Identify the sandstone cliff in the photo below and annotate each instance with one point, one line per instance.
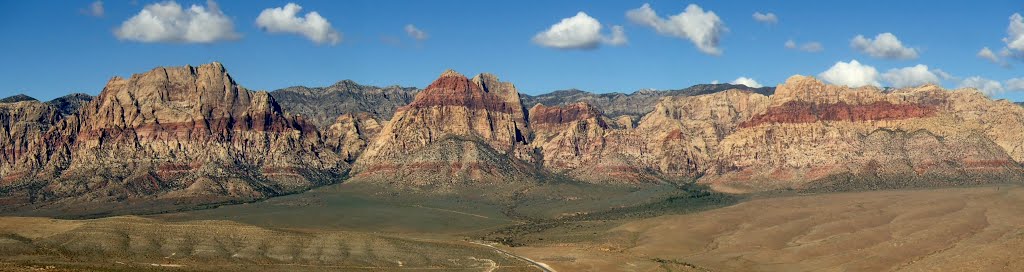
(634, 105)
(192, 136)
(456, 130)
(184, 134)
(819, 135)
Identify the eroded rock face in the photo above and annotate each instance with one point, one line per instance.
(23, 125)
(456, 130)
(192, 135)
(188, 133)
(834, 138)
(634, 105)
(321, 106)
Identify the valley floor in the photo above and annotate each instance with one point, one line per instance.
(953, 229)
(332, 229)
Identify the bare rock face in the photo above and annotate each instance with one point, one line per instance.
(634, 105)
(70, 104)
(191, 136)
(322, 105)
(819, 136)
(351, 133)
(185, 133)
(23, 124)
(456, 130)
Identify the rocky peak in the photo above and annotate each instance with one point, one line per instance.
(70, 104)
(807, 89)
(17, 98)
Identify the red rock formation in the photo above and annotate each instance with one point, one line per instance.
(805, 112)
(543, 115)
(455, 130)
(186, 133)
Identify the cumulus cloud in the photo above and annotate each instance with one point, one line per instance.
(853, 74)
(810, 47)
(286, 20)
(987, 86)
(766, 18)
(987, 54)
(618, 36)
(578, 32)
(1015, 37)
(703, 28)
(415, 32)
(913, 76)
(95, 9)
(884, 45)
(749, 82)
(168, 22)
(1015, 84)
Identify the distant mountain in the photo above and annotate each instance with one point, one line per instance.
(17, 98)
(322, 105)
(635, 104)
(69, 104)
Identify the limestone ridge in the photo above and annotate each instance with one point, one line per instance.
(322, 105)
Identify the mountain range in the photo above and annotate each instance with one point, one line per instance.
(186, 137)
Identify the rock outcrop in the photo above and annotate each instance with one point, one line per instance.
(192, 136)
(189, 135)
(70, 104)
(456, 130)
(829, 137)
(636, 104)
(322, 105)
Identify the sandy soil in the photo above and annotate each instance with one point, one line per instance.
(955, 229)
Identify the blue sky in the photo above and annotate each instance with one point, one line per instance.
(54, 48)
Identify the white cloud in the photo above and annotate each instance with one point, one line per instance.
(285, 20)
(913, 76)
(415, 32)
(851, 74)
(885, 46)
(618, 36)
(95, 9)
(1015, 37)
(749, 82)
(987, 86)
(702, 28)
(810, 47)
(714, 81)
(168, 22)
(1015, 84)
(943, 74)
(766, 18)
(578, 32)
(987, 54)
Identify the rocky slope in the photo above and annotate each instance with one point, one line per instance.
(69, 104)
(457, 130)
(192, 136)
(634, 105)
(322, 105)
(188, 135)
